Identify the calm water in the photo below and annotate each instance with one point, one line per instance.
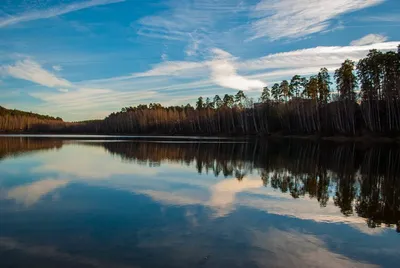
(118, 203)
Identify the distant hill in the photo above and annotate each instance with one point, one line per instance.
(14, 112)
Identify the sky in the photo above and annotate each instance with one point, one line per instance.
(83, 59)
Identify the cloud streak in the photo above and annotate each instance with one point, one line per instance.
(369, 40)
(32, 71)
(277, 19)
(53, 12)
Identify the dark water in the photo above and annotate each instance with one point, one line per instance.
(99, 203)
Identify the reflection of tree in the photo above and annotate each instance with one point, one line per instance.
(322, 193)
(19, 145)
(345, 194)
(379, 198)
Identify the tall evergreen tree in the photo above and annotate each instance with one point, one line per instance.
(265, 95)
(285, 89)
(228, 100)
(275, 91)
(295, 85)
(240, 99)
(346, 80)
(218, 102)
(311, 88)
(324, 82)
(200, 103)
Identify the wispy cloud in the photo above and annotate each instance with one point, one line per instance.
(382, 18)
(52, 11)
(186, 16)
(57, 68)
(95, 103)
(278, 19)
(369, 40)
(32, 71)
(191, 21)
(173, 68)
(314, 57)
(193, 46)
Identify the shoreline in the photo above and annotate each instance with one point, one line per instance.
(339, 139)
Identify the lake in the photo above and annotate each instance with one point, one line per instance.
(96, 201)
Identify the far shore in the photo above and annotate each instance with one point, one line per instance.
(273, 136)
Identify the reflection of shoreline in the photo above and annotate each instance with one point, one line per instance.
(356, 181)
(10, 146)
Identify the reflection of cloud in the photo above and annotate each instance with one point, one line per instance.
(85, 163)
(47, 252)
(223, 193)
(170, 198)
(363, 227)
(291, 249)
(224, 198)
(31, 193)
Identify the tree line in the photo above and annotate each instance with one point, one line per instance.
(12, 120)
(366, 101)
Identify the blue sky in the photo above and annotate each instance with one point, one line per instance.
(82, 59)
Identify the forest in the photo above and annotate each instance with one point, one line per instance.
(366, 101)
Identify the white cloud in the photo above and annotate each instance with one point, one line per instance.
(32, 71)
(224, 73)
(313, 57)
(64, 90)
(278, 19)
(369, 40)
(53, 11)
(57, 68)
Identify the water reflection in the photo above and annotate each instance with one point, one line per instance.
(360, 180)
(148, 203)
